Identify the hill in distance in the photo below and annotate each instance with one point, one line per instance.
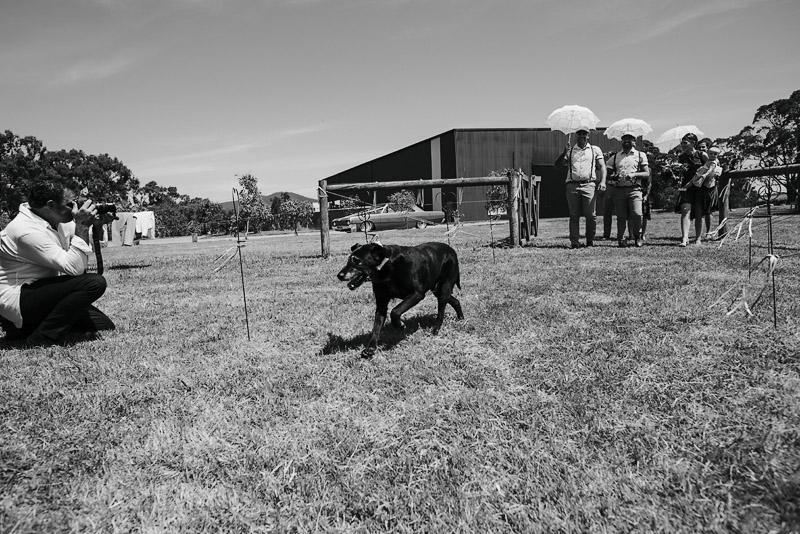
(268, 199)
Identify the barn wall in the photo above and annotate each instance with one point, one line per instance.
(410, 163)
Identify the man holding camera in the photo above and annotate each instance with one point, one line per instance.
(45, 291)
(630, 176)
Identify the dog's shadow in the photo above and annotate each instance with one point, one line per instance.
(389, 338)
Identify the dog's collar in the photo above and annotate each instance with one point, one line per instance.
(379, 267)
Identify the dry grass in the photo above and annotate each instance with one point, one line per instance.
(587, 391)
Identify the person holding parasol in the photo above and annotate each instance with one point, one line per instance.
(586, 170)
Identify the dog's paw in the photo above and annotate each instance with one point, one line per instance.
(368, 353)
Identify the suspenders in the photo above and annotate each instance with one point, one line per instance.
(591, 168)
(638, 167)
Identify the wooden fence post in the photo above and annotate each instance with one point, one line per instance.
(537, 181)
(724, 204)
(513, 207)
(324, 224)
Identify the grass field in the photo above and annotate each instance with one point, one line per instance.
(587, 391)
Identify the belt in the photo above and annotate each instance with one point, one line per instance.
(581, 182)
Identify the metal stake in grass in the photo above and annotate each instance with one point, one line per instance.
(364, 217)
(491, 235)
(772, 253)
(239, 245)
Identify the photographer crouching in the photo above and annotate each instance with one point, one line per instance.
(45, 292)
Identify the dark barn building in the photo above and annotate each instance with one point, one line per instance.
(466, 153)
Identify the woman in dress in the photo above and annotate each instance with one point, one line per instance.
(705, 198)
(690, 160)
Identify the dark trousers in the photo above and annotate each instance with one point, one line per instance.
(581, 203)
(52, 307)
(628, 205)
(608, 210)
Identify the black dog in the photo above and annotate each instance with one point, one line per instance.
(405, 273)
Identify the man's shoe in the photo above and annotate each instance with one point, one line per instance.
(639, 242)
(683, 243)
(622, 243)
(589, 243)
(575, 245)
(38, 340)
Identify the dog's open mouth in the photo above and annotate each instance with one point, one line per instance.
(357, 280)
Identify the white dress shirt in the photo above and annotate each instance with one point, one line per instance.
(583, 162)
(30, 249)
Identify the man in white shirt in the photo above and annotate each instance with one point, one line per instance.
(45, 292)
(586, 173)
(629, 171)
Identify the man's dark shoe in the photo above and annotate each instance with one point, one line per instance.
(13, 335)
(575, 245)
(589, 243)
(622, 243)
(12, 332)
(38, 340)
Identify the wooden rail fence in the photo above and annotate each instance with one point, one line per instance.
(523, 197)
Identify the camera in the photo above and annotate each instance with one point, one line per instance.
(105, 207)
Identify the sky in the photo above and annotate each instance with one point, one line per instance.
(192, 93)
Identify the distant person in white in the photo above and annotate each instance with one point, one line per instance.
(45, 292)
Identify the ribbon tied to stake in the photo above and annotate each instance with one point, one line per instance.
(741, 298)
(231, 253)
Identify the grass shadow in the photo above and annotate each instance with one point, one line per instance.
(389, 337)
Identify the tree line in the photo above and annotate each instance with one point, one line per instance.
(104, 178)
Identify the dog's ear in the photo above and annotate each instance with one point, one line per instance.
(354, 247)
(381, 252)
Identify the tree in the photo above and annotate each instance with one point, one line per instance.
(293, 214)
(151, 194)
(497, 195)
(171, 221)
(402, 201)
(205, 216)
(275, 206)
(105, 179)
(24, 159)
(251, 202)
(773, 139)
(664, 189)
